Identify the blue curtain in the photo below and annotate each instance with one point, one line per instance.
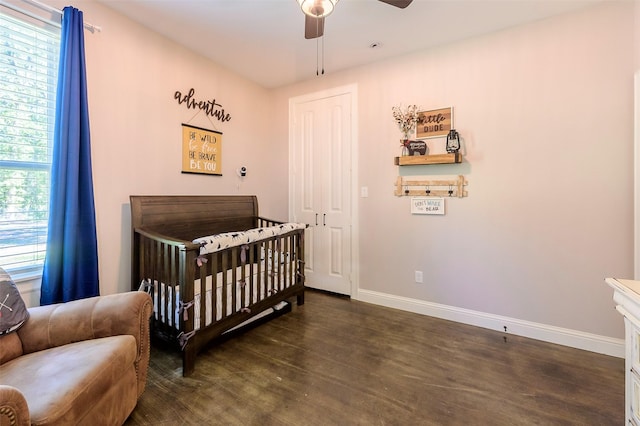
(71, 260)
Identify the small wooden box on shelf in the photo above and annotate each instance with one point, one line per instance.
(414, 160)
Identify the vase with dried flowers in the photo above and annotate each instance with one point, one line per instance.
(406, 120)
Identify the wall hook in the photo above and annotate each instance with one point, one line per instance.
(423, 186)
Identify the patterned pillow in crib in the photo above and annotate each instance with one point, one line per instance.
(13, 312)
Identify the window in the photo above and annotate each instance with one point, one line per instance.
(29, 54)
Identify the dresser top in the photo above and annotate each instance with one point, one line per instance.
(625, 285)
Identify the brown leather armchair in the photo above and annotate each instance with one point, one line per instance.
(80, 362)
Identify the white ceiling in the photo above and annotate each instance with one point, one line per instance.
(263, 40)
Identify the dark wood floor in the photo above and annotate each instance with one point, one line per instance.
(335, 361)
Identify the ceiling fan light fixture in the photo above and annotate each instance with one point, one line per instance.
(317, 8)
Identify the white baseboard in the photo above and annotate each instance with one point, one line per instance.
(547, 333)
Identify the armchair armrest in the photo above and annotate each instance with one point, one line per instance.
(13, 407)
(95, 317)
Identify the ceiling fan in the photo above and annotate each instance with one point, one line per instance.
(316, 10)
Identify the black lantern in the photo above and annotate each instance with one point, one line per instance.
(453, 141)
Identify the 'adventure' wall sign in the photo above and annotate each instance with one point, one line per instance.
(210, 107)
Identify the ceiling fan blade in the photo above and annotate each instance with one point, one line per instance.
(313, 27)
(398, 3)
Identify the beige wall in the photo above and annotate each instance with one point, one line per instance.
(546, 113)
(133, 74)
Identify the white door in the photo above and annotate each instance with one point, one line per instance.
(321, 188)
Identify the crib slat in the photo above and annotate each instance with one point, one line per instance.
(155, 247)
(291, 260)
(164, 285)
(163, 270)
(215, 263)
(170, 285)
(287, 267)
(201, 299)
(187, 273)
(224, 267)
(271, 268)
(262, 247)
(242, 279)
(251, 279)
(279, 261)
(234, 279)
(275, 266)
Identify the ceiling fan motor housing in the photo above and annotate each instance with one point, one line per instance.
(317, 8)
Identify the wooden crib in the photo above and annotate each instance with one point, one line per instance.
(199, 294)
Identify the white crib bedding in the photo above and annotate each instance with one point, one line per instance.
(257, 287)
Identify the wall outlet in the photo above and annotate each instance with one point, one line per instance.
(418, 275)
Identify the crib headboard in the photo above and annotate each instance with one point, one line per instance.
(187, 216)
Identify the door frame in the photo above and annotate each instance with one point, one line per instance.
(352, 90)
(636, 176)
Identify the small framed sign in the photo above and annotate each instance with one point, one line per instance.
(201, 151)
(427, 205)
(434, 123)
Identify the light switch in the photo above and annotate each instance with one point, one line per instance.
(364, 192)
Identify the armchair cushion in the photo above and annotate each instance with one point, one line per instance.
(76, 373)
(92, 318)
(10, 347)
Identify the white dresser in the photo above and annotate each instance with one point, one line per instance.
(627, 298)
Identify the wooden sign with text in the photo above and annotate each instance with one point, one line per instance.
(201, 151)
(210, 107)
(434, 123)
(427, 205)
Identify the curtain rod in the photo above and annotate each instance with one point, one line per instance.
(52, 9)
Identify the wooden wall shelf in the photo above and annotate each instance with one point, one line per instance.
(421, 187)
(414, 160)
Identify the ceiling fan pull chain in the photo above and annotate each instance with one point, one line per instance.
(317, 48)
(322, 55)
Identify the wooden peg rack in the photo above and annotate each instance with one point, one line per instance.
(417, 187)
